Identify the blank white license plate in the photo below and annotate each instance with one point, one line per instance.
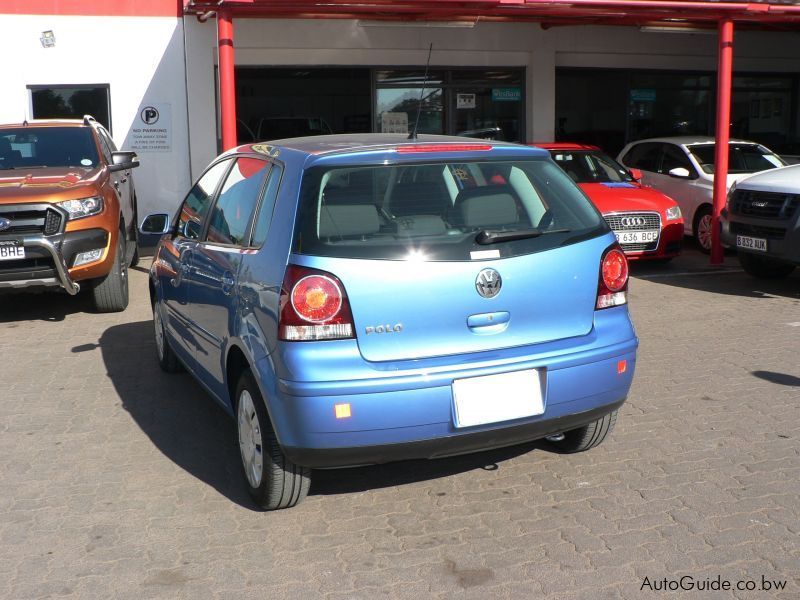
(751, 243)
(636, 237)
(13, 251)
(496, 398)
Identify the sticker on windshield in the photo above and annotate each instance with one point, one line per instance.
(86, 162)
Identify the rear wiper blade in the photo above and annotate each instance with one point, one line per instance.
(488, 236)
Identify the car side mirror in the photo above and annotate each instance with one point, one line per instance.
(680, 173)
(157, 223)
(123, 160)
(636, 174)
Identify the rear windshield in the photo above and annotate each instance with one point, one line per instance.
(742, 158)
(47, 147)
(590, 167)
(441, 211)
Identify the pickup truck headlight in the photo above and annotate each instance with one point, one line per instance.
(673, 212)
(84, 207)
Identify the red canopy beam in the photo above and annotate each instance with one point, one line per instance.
(227, 83)
(721, 151)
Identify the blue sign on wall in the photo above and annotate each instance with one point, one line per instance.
(643, 95)
(506, 94)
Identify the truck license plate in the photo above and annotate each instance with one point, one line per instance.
(751, 243)
(11, 250)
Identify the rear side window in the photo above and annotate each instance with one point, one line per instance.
(231, 215)
(646, 157)
(198, 202)
(439, 211)
(675, 158)
(264, 218)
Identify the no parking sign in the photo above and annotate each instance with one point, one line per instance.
(152, 130)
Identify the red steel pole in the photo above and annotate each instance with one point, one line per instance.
(724, 81)
(227, 81)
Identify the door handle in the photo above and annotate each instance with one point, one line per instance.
(227, 283)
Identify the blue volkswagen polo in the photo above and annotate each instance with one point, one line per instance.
(360, 299)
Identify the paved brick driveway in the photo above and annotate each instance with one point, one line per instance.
(119, 481)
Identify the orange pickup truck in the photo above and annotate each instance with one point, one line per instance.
(67, 210)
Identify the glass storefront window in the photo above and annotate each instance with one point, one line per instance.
(480, 103)
(397, 110)
(610, 107)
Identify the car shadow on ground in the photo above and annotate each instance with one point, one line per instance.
(692, 270)
(190, 429)
(43, 306)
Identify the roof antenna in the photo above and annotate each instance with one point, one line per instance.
(413, 134)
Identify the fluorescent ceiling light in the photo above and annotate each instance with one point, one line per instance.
(422, 24)
(676, 29)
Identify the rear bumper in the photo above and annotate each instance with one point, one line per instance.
(407, 411)
(451, 445)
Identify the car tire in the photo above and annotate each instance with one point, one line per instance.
(764, 268)
(702, 228)
(167, 359)
(111, 292)
(133, 244)
(273, 481)
(586, 437)
(133, 252)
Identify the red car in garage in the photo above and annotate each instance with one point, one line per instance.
(648, 224)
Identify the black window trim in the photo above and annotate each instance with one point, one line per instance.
(257, 212)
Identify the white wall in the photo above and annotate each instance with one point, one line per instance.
(142, 61)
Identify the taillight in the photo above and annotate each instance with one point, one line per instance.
(612, 289)
(313, 306)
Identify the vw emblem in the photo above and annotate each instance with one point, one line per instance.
(4, 224)
(488, 283)
(633, 221)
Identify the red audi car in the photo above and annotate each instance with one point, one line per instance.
(648, 224)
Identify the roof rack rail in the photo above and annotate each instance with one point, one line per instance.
(89, 119)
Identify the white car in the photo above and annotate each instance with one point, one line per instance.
(683, 169)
